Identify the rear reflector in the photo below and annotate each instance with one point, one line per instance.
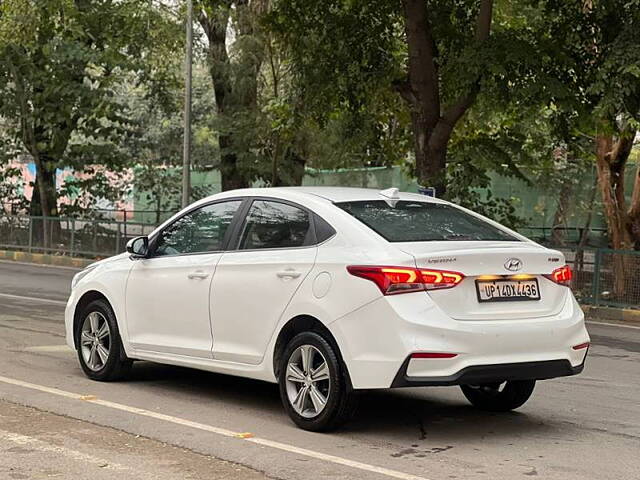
(561, 276)
(394, 280)
(433, 355)
(581, 346)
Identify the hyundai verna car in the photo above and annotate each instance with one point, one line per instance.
(328, 291)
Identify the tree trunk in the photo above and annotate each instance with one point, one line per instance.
(611, 159)
(44, 204)
(558, 229)
(431, 124)
(233, 95)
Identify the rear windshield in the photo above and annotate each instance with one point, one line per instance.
(422, 222)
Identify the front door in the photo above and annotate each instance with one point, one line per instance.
(167, 295)
(254, 283)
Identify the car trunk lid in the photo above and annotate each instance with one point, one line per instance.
(490, 261)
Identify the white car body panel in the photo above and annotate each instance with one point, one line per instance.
(167, 304)
(250, 291)
(230, 321)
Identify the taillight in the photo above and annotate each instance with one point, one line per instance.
(393, 280)
(561, 276)
(435, 279)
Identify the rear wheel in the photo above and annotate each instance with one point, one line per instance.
(313, 385)
(499, 397)
(99, 345)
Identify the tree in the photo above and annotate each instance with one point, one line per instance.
(440, 57)
(235, 79)
(601, 61)
(61, 62)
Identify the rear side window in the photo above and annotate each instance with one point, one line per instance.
(275, 225)
(422, 222)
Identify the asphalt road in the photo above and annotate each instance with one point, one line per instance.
(583, 427)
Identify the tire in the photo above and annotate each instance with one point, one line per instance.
(491, 397)
(101, 354)
(308, 412)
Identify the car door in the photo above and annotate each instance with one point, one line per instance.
(275, 250)
(167, 295)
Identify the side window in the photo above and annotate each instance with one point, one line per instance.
(275, 225)
(202, 230)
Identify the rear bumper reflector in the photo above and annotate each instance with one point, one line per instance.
(581, 346)
(433, 355)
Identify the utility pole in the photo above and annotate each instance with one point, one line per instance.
(186, 156)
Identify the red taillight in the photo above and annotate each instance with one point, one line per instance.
(434, 279)
(561, 276)
(393, 280)
(433, 355)
(581, 346)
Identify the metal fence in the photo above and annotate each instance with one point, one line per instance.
(68, 236)
(606, 277)
(147, 217)
(601, 276)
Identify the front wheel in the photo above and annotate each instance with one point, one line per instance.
(313, 385)
(499, 397)
(99, 345)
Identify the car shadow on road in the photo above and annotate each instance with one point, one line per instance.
(403, 414)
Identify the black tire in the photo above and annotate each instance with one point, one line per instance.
(492, 398)
(117, 365)
(341, 400)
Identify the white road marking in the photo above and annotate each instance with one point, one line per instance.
(42, 446)
(634, 327)
(33, 299)
(219, 431)
(49, 348)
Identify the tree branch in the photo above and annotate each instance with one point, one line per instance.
(483, 28)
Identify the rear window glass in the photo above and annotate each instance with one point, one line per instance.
(422, 222)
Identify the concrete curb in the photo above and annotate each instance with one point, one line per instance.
(45, 259)
(615, 315)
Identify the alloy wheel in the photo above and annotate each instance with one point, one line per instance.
(95, 341)
(308, 382)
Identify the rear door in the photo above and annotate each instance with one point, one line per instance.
(275, 251)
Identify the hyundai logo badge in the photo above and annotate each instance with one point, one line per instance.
(513, 264)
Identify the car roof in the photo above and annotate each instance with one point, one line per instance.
(332, 194)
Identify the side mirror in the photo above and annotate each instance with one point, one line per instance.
(138, 247)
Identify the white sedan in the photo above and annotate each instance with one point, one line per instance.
(328, 291)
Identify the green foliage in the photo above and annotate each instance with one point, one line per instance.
(61, 65)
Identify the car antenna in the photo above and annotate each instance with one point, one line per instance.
(391, 196)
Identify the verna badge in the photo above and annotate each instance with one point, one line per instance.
(513, 264)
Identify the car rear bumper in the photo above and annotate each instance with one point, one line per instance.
(478, 374)
(377, 340)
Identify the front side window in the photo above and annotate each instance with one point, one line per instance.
(409, 221)
(199, 231)
(275, 225)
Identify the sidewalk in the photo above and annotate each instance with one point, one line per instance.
(36, 444)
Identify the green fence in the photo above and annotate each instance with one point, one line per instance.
(68, 236)
(606, 277)
(601, 276)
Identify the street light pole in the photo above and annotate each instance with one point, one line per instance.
(186, 156)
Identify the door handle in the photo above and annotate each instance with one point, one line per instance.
(198, 274)
(288, 274)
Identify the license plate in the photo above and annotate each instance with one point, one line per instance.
(507, 290)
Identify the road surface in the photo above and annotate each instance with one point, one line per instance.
(583, 427)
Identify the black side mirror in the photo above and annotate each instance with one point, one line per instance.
(138, 247)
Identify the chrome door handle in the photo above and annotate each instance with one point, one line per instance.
(197, 275)
(288, 274)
